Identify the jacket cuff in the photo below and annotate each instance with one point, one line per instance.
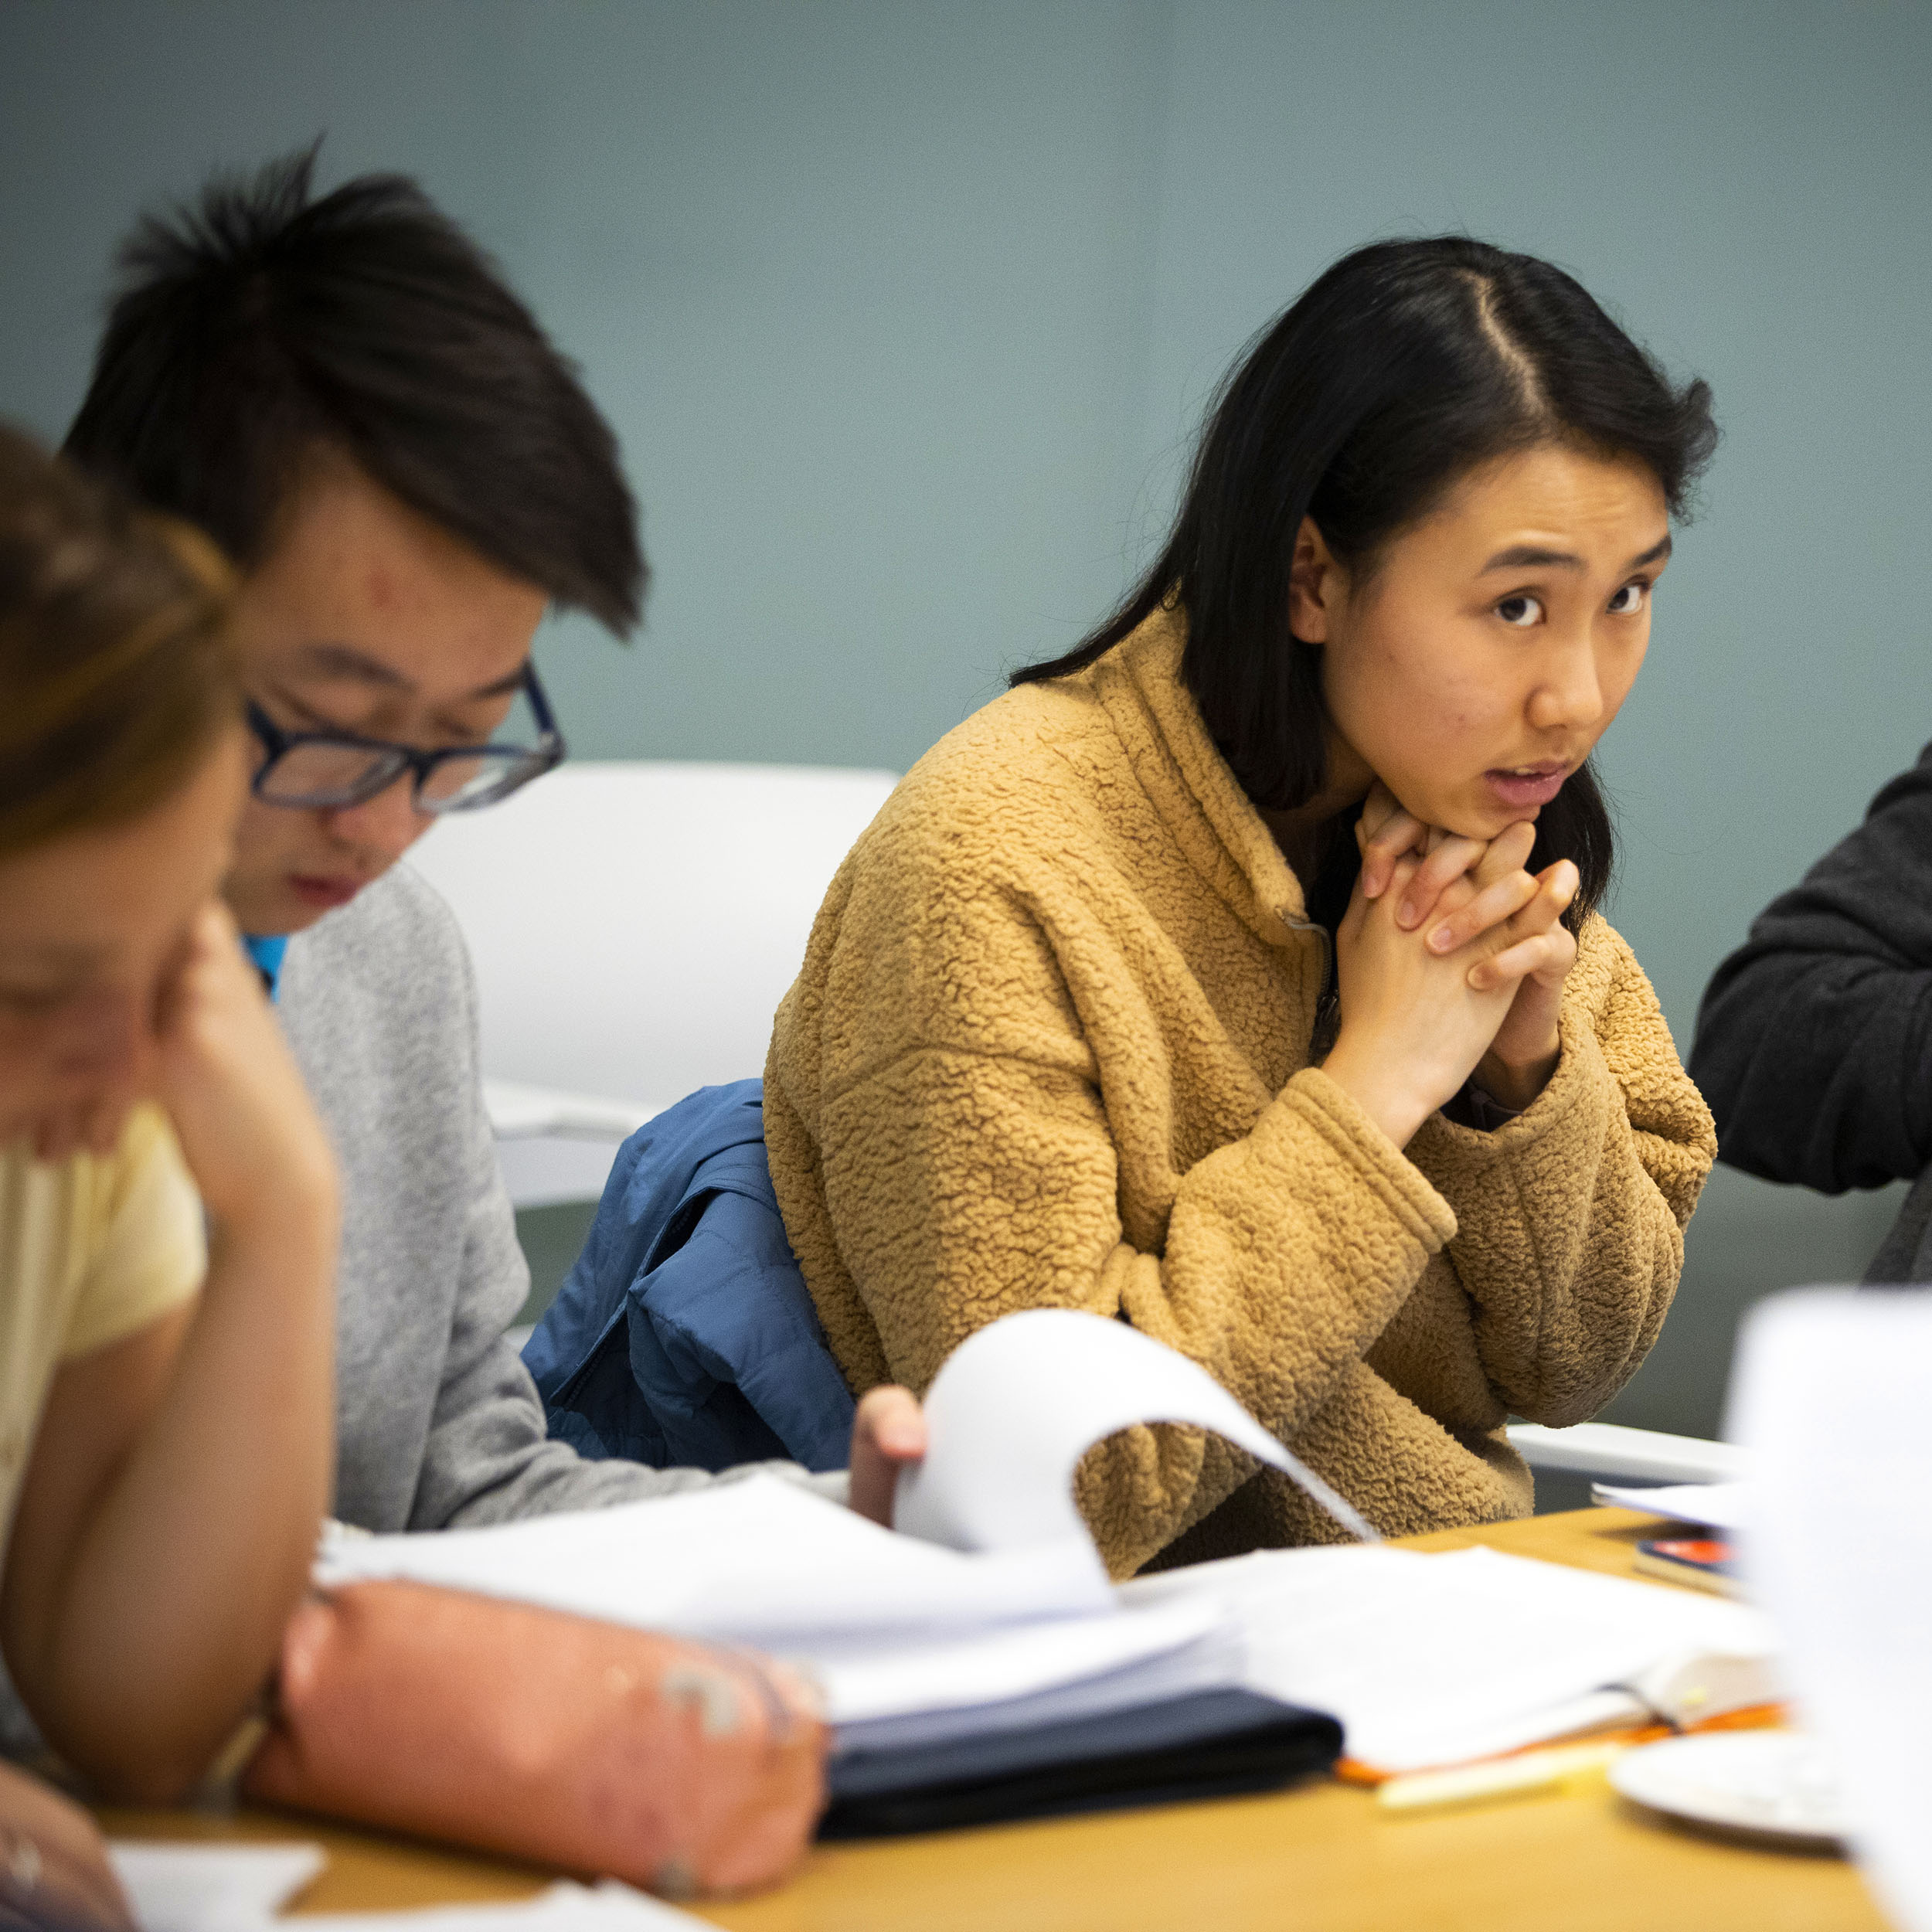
(1565, 1100)
(1346, 1126)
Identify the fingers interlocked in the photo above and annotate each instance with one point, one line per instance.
(1470, 890)
(1535, 942)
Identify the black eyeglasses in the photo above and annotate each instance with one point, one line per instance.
(332, 770)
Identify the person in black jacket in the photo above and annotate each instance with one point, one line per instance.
(1814, 1044)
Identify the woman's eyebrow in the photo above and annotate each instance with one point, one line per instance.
(1530, 557)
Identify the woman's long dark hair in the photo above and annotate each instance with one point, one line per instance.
(1407, 364)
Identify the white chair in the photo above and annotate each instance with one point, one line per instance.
(633, 926)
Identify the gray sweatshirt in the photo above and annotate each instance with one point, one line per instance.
(438, 1422)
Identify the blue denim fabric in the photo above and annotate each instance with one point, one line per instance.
(685, 1336)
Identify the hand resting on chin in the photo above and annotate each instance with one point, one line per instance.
(1451, 960)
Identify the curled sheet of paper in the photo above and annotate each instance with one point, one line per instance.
(1019, 1403)
(757, 1561)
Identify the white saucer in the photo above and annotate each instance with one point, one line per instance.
(1775, 1784)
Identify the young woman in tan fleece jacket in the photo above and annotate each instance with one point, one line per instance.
(1237, 975)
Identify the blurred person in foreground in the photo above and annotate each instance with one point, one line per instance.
(167, 1198)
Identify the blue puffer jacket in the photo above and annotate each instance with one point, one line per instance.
(683, 1337)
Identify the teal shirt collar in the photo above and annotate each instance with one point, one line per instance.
(267, 955)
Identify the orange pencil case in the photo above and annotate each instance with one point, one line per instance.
(672, 1765)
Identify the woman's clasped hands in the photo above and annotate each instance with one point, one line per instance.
(1450, 962)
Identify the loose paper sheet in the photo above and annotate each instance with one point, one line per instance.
(1831, 1400)
(1721, 1505)
(608, 1907)
(759, 1561)
(211, 1888)
(1019, 1403)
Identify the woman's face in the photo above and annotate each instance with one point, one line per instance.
(1476, 667)
(91, 926)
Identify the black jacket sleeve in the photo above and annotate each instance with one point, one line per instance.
(1814, 1043)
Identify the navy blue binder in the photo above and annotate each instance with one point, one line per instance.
(1207, 1744)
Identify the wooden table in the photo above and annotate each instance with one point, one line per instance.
(1320, 1858)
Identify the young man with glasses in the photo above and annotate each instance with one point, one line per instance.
(345, 394)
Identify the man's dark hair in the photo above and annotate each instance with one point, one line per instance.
(1404, 367)
(251, 330)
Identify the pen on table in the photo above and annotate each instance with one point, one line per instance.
(1523, 1774)
(1519, 1776)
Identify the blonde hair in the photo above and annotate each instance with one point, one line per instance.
(118, 668)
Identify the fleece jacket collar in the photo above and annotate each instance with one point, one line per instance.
(1225, 839)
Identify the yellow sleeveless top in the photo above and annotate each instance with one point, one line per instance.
(92, 1250)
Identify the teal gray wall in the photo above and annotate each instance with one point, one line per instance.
(905, 313)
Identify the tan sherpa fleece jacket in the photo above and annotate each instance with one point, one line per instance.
(1050, 1048)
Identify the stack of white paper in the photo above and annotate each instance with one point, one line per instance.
(992, 1611)
(1435, 1659)
(1030, 1676)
